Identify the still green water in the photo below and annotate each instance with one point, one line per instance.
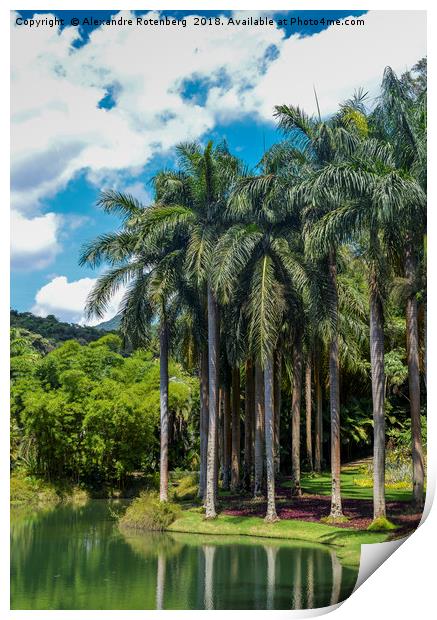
(76, 558)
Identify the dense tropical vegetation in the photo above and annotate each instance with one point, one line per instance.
(286, 306)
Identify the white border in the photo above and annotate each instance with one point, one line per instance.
(404, 586)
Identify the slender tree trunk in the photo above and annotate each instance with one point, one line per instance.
(204, 414)
(268, 425)
(318, 430)
(163, 388)
(334, 398)
(235, 466)
(277, 406)
(425, 337)
(220, 434)
(226, 436)
(308, 415)
(213, 360)
(295, 416)
(249, 404)
(378, 392)
(414, 381)
(259, 439)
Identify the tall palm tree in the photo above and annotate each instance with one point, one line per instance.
(371, 194)
(256, 269)
(400, 117)
(316, 143)
(188, 213)
(151, 278)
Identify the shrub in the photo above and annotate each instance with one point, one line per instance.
(381, 524)
(147, 512)
(31, 491)
(186, 487)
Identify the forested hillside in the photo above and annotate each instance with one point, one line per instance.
(54, 330)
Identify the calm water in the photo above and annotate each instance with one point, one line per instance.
(76, 558)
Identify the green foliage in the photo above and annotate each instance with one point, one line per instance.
(147, 512)
(381, 524)
(32, 491)
(85, 412)
(186, 487)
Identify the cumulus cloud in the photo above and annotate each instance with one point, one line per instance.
(66, 300)
(340, 59)
(34, 240)
(58, 128)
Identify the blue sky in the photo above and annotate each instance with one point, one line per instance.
(96, 108)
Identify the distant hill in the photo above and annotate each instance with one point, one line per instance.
(109, 326)
(56, 331)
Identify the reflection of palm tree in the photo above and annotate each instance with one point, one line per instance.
(271, 553)
(209, 552)
(160, 581)
(337, 571)
(310, 580)
(297, 581)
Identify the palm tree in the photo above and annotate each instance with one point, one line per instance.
(371, 193)
(400, 117)
(257, 270)
(315, 143)
(150, 276)
(187, 214)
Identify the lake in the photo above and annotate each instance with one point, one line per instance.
(75, 557)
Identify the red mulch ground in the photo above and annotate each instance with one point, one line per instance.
(314, 507)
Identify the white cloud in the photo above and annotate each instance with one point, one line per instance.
(58, 128)
(66, 300)
(138, 191)
(34, 240)
(340, 59)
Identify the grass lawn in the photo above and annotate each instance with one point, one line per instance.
(347, 542)
(321, 485)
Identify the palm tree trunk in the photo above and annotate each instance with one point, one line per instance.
(226, 435)
(235, 465)
(318, 431)
(277, 406)
(334, 398)
(414, 381)
(249, 403)
(378, 393)
(213, 365)
(270, 464)
(295, 416)
(163, 389)
(220, 435)
(204, 413)
(308, 416)
(259, 414)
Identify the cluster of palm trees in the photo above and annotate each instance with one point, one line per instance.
(245, 270)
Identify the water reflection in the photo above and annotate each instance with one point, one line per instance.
(76, 558)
